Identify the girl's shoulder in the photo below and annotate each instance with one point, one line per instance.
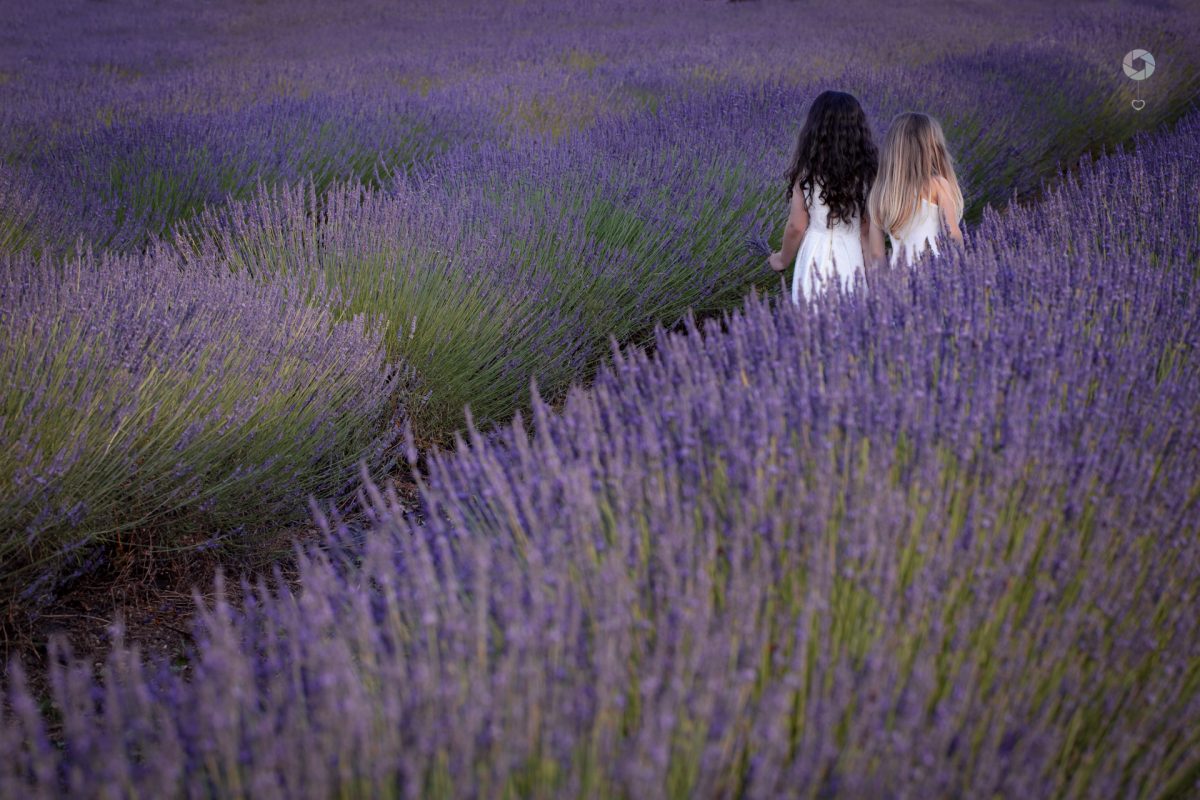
(937, 189)
(807, 195)
(946, 196)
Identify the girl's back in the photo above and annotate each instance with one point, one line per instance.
(818, 215)
(830, 251)
(920, 233)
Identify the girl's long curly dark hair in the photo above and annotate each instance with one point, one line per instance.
(837, 151)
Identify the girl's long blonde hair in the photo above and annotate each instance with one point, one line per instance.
(913, 153)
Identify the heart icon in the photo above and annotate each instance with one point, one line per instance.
(1138, 105)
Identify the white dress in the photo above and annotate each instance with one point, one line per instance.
(831, 252)
(920, 232)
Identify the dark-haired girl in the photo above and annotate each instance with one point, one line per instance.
(828, 228)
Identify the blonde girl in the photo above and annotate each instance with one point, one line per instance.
(916, 198)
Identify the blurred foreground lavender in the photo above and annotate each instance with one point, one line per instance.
(936, 538)
(494, 200)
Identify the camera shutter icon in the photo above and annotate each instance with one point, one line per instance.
(1139, 65)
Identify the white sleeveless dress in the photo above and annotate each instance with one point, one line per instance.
(831, 252)
(919, 233)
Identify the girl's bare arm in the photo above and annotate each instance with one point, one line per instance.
(941, 196)
(793, 233)
(872, 243)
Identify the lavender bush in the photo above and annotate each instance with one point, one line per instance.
(934, 538)
(503, 265)
(153, 404)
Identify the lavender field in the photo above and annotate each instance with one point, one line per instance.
(477, 295)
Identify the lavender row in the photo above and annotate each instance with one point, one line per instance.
(934, 538)
(493, 265)
(121, 185)
(163, 407)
